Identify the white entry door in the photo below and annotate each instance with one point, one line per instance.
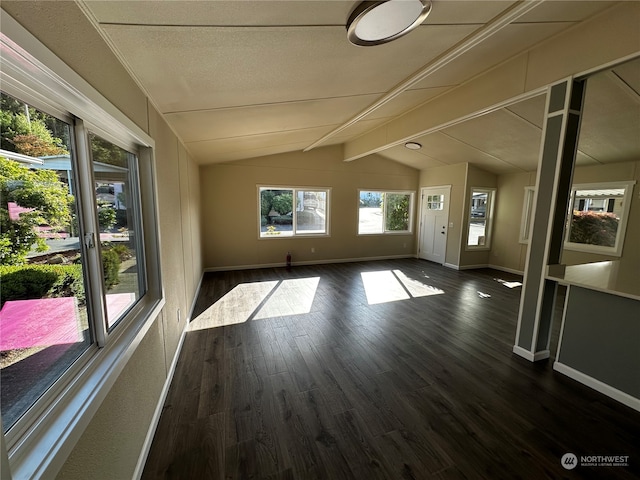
(434, 223)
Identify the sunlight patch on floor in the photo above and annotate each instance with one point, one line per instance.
(417, 288)
(392, 286)
(237, 306)
(508, 284)
(291, 297)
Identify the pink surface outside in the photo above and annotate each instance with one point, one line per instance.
(117, 303)
(50, 321)
(39, 323)
(16, 210)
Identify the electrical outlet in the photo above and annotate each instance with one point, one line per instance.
(313, 249)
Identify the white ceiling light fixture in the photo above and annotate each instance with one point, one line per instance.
(413, 145)
(375, 23)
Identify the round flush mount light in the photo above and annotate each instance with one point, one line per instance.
(375, 23)
(413, 145)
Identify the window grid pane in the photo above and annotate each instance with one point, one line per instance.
(311, 212)
(286, 212)
(44, 325)
(480, 207)
(116, 187)
(382, 212)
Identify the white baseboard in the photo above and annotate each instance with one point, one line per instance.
(506, 269)
(532, 357)
(608, 390)
(195, 298)
(146, 446)
(451, 265)
(472, 267)
(306, 262)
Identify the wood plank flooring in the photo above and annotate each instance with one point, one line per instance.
(312, 379)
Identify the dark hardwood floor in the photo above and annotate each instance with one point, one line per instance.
(314, 376)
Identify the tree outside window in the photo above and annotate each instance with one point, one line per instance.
(286, 212)
(383, 212)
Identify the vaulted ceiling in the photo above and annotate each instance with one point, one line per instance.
(242, 79)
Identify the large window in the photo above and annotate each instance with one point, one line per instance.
(598, 216)
(288, 212)
(55, 303)
(480, 218)
(383, 212)
(44, 323)
(79, 256)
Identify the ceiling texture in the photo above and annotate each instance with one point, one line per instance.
(243, 79)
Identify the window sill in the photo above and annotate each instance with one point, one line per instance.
(43, 448)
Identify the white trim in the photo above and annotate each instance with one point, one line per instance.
(146, 447)
(43, 450)
(526, 222)
(452, 266)
(412, 201)
(308, 262)
(605, 389)
(506, 269)
(627, 198)
(564, 315)
(294, 212)
(40, 442)
(425, 191)
(195, 298)
(488, 218)
(472, 267)
(31, 60)
(532, 357)
(521, 352)
(155, 420)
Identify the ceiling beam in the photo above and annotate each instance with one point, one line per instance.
(508, 16)
(607, 38)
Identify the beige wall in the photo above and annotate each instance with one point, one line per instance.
(230, 208)
(506, 251)
(454, 175)
(476, 178)
(112, 442)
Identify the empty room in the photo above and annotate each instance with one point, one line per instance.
(320, 239)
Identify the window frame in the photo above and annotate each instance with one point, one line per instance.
(39, 442)
(488, 217)
(412, 206)
(527, 214)
(616, 250)
(294, 216)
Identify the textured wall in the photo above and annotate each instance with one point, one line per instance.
(506, 251)
(111, 444)
(230, 208)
